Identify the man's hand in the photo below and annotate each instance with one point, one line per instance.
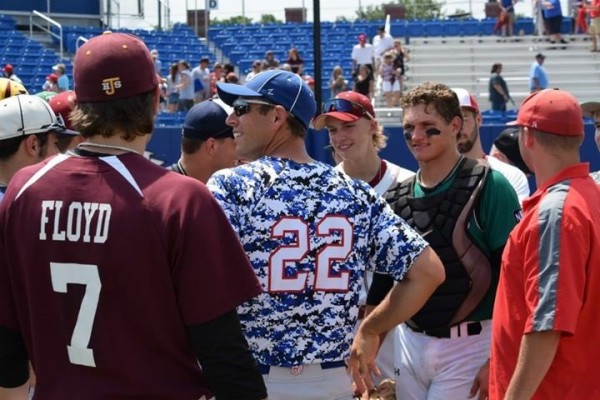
(362, 360)
(481, 382)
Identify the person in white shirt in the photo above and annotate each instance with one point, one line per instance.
(382, 42)
(363, 54)
(469, 144)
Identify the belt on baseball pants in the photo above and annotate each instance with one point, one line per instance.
(464, 329)
(265, 369)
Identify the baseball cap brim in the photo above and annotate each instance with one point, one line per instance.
(230, 92)
(513, 123)
(319, 122)
(589, 108)
(69, 132)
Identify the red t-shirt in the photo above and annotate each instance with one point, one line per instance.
(107, 260)
(550, 280)
(595, 9)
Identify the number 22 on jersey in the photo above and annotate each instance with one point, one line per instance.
(325, 279)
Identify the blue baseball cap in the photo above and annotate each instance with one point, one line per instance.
(207, 120)
(283, 88)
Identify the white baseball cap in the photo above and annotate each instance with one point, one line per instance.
(27, 115)
(466, 99)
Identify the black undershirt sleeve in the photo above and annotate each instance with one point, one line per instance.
(380, 287)
(496, 259)
(14, 364)
(226, 360)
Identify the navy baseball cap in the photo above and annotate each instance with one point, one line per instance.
(283, 88)
(207, 120)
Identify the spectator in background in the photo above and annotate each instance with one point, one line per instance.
(63, 80)
(400, 56)
(594, 10)
(201, 77)
(552, 12)
(295, 62)
(216, 76)
(51, 84)
(185, 87)
(364, 83)
(256, 67)
(382, 43)
(270, 62)
(232, 78)
(157, 62)
(9, 72)
(227, 69)
(390, 83)
(508, 7)
(362, 54)
(538, 78)
(337, 83)
(506, 148)
(591, 109)
(207, 143)
(498, 89)
(173, 80)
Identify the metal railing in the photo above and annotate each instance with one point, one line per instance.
(46, 28)
(80, 39)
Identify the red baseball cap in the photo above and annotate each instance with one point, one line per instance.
(113, 66)
(347, 107)
(8, 68)
(52, 77)
(62, 104)
(553, 111)
(466, 99)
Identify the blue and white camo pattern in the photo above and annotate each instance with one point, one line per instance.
(309, 326)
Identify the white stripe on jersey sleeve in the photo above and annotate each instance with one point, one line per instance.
(118, 166)
(41, 172)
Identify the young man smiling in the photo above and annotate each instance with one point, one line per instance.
(465, 211)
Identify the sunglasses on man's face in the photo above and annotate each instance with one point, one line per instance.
(242, 106)
(346, 106)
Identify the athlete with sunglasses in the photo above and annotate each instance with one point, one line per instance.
(357, 138)
(310, 232)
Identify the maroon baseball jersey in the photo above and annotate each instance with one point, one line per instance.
(107, 260)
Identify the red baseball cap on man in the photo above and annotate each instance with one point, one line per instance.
(552, 111)
(8, 68)
(346, 107)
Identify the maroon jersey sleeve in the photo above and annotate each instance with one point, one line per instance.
(225, 278)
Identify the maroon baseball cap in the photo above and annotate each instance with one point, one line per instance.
(113, 66)
(553, 111)
(347, 107)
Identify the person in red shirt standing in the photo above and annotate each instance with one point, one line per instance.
(546, 326)
(594, 29)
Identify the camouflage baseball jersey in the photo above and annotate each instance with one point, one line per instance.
(310, 232)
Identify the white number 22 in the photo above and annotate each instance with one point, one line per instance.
(284, 254)
(82, 274)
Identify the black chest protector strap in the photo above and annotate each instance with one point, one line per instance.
(443, 220)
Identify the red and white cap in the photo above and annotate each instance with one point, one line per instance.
(466, 99)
